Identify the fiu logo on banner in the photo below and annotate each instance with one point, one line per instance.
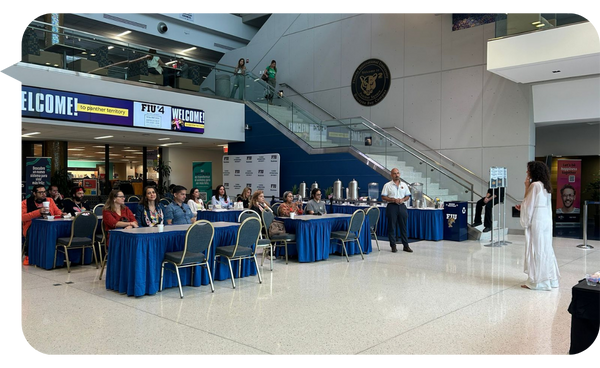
(371, 82)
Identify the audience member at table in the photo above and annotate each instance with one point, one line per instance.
(149, 211)
(258, 204)
(315, 206)
(76, 204)
(221, 199)
(32, 208)
(289, 206)
(245, 197)
(195, 202)
(115, 215)
(178, 212)
(53, 193)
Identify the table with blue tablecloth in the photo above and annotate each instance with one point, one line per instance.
(135, 257)
(220, 215)
(313, 236)
(423, 223)
(42, 243)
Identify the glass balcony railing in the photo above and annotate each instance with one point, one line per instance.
(513, 24)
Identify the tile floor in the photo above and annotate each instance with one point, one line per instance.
(445, 298)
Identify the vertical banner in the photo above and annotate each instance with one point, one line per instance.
(90, 187)
(202, 174)
(568, 188)
(258, 172)
(37, 171)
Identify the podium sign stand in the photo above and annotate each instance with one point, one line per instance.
(455, 221)
(498, 180)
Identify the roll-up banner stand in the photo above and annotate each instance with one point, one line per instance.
(202, 174)
(37, 171)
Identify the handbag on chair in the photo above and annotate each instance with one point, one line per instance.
(276, 228)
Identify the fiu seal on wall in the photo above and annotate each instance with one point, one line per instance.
(370, 82)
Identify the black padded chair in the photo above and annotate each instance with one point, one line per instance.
(196, 252)
(373, 215)
(352, 234)
(244, 248)
(83, 236)
(98, 209)
(275, 208)
(101, 240)
(165, 201)
(133, 198)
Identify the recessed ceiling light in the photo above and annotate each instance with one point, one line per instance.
(75, 149)
(163, 139)
(170, 144)
(123, 34)
(30, 134)
(111, 47)
(540, 25)
(104, 137)
(534, 23)
(190, 49)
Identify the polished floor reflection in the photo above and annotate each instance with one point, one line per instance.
(445, 298)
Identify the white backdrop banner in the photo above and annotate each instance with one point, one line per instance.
(259, 172)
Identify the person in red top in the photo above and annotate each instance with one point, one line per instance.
(289, 206)
(31, 208)
(116, 215)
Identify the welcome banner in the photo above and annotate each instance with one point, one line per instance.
(568, 189)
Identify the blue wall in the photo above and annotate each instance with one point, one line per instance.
(298, 166)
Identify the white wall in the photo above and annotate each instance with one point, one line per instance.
(441, 92)
(572, 100)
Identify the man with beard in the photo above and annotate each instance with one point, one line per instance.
(567, 193)
(76, 204)
(33, 207)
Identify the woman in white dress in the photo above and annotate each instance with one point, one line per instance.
(536, 217)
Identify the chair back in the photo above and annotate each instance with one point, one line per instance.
(198, 238)
(247, 213)
(165, 201)
(373, 215)
(267, 219)
(356, 222)
(248, 234)
(84, 225)
(275, 208)
(133, 199)
(98, 209)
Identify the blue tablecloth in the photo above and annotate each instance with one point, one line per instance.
(313, 237)
(134, 260)
(42, 243)
(427, 224)
(219, 216)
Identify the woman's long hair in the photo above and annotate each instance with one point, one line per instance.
(538, 171)
(191, 195)
(110, 202)
(254, 199)
(144, 199)
(217, 197)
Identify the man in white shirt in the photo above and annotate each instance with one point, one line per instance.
(396, 193)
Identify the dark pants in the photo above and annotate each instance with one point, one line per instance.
(397, 215)
(487, 221)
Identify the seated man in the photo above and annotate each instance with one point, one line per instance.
(488, 203)
(33, 207)
(76, 204)
(53, 193)
(178, 212)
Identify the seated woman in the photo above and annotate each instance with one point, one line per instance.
(245, 197)
(221, 199)
(149, 211)
(258, 204)
(288, 206)
(315, 206)
(195, 202)
(116, 215)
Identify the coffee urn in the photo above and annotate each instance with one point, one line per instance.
(353, 190)
(337, 190)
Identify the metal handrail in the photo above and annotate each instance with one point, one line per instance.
(309, 101)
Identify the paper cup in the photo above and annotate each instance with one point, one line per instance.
(292, 215)
(46, 204)
(160, 228)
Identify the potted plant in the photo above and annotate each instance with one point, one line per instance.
(62, 180)
(164, 171)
